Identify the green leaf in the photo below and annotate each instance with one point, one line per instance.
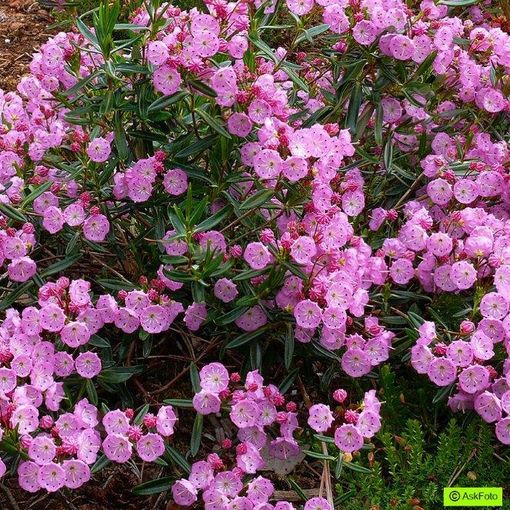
(213, 220)
(202, 87)
(295, 78)
(116, 375)
(113, 284)
(356, 467)
(288, 381)
(61, 265)
(197, 147)
(98, 341)
(196, 434)
(36, 193)
(248, 337)
(339, 466)
(353, 109)
(458, 3)
(165, 101)
(13, 213)
(317, 455)
(178, 402)
(154, 486)
(309, 34)
(139, 417)
(231, 316)
(15, 294)
(87, 33)
(175, 457)
(388, 155)
(213, 123)
(289, 346)
(379, 114)
(257, 200)
(195, 378)
(91, 391)
(100, 463)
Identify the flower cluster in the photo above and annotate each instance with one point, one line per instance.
(259, 412)
(362, 422)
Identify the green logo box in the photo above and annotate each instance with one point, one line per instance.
(473, 496)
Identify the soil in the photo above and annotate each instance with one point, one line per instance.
(23, 28)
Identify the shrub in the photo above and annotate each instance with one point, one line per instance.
(320, 207)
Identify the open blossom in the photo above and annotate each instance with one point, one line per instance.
(320, 417)
(99, 150)
(117, 448)
(150, 447)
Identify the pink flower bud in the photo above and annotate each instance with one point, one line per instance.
(351, 416)
(150, 421)
(340, 395)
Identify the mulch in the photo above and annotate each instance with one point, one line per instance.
(23, 28)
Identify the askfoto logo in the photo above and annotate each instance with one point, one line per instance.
(473, 496)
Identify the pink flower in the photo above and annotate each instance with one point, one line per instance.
(503, 430)
(157, 53)
(320, 417)
(175, 182)
(439, 191)
(88, 364)
(303, 249)
(52, 318)
(42, 450)
(154, 319)
(364, 33)
(53, 219)
(116, 422)
(442, 371)
(184, 492)
(166, 420)
(51, 477)
(206, 402)
(77, 473)
(267, 164)
(22, 269)
(257, 255)
(402, 271)
(96, 227)
(195, 316)
(201, 475)
(245, 413)
(317, 503)
(463, 274)
(74, 214)
(348, 439)
(252, 319)
(75, 334)
(307, 314)
(166, 80)
(355, 362)
(225, 290)
(99, 150)
(28, 476)
(488, 406)
(474, 379)
(117, 448)
(239, 124)
(249, 460)
(300, 7)
(150, 447)
(214, 377)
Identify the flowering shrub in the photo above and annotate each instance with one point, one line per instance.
(310, 204)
